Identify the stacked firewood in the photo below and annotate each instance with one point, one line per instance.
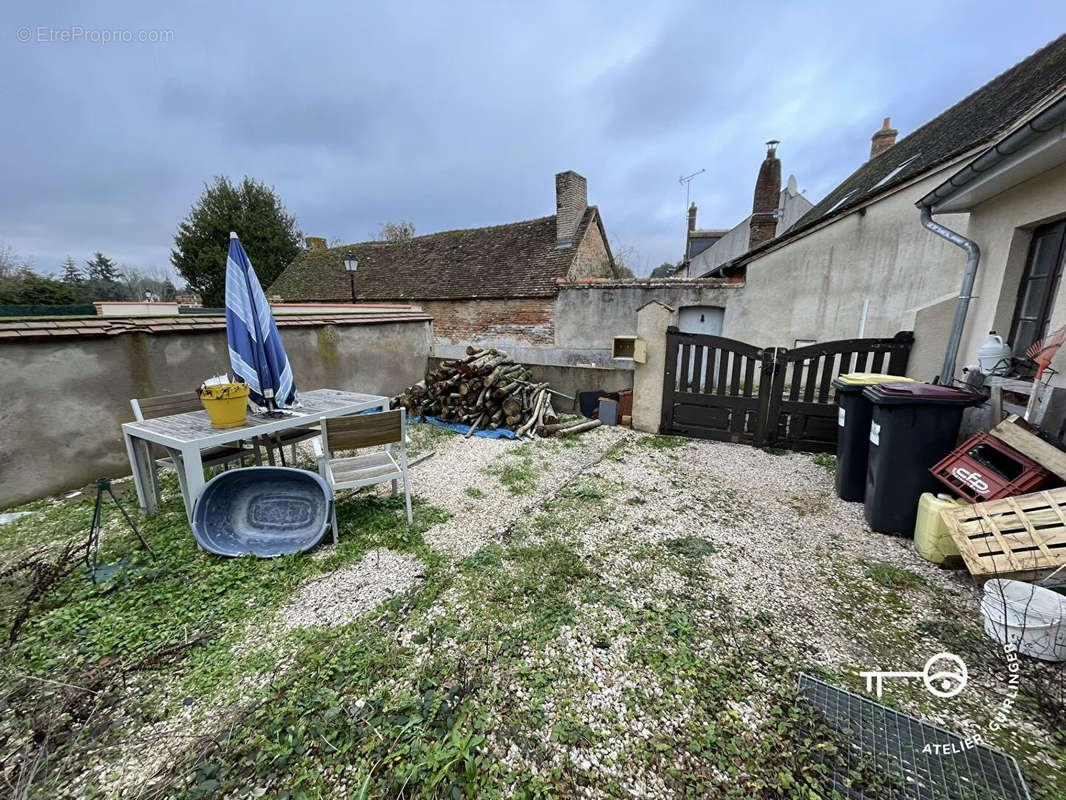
(487, 390)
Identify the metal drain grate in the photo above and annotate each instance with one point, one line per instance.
(894, 744)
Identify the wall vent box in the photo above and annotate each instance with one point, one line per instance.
(630, 347)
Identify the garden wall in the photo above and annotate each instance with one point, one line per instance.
(67, 383)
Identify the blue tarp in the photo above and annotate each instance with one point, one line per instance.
(458, 427)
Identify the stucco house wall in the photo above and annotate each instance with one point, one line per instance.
(63, 424)
(813, 287)
(1002, 227)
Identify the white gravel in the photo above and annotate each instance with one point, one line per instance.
(781, 540)
(462, 464)
(340, 596)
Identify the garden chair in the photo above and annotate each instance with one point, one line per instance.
(357, 431)
(182, 403)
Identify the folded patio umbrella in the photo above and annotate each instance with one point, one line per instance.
(256, 353)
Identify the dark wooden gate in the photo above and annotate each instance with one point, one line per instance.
(718, 388)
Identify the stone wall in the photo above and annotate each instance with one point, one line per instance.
(67, 394)
(592, 259)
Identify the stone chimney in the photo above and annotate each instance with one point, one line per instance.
(315, 242)
(767, 196)
(571, 200)
(692, 218)
(883, 139)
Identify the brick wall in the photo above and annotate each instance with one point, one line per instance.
(498, 322)
(571, 200)
(767, 191)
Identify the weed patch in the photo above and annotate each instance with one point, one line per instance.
(892, 577)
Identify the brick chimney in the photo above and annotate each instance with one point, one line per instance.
(883, 139)
(692, 218)
(767, 196)
(315, 242)
(571, 200)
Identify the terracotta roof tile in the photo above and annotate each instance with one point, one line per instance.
(115, 326)
(515, 260)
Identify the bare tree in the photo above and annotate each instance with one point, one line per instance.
(9, 260)
(625, 259)
(395, 231)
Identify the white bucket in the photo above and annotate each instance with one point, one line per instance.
(1030, 617)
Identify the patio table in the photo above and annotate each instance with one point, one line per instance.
(185, 435)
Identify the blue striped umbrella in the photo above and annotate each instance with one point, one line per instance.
(256, 354)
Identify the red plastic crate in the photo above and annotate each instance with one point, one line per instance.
(984, 468)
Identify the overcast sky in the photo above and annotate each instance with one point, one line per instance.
(457, 115)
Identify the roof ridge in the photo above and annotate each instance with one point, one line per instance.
(969, 98)
(980, 117)
(425, 236)
(516, 259)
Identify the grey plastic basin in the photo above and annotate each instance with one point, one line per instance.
(268, 511)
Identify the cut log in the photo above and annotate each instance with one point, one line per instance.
(483, 389)
(580, 427)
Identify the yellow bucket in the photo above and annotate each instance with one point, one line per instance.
(225, 403)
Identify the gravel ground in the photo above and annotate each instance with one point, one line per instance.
(783, 545)
(470, 464)
(724, 532)
(342, 595)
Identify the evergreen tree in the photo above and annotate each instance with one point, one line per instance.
(252, 209)
(72, 275)
(101, 268)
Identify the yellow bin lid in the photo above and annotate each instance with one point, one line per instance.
(867, 378)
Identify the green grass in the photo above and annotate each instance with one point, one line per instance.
(827, 460)
(519, 471)
(691, 547)
(892, 577)
(104, 637)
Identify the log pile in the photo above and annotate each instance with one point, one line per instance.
(487, 391)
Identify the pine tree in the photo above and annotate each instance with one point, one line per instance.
(72, 275)
(102, 268)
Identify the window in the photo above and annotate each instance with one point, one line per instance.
(1040, 283)
(896, 171)
(841, 201)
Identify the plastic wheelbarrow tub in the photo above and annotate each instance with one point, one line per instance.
(1030, 617)
(266, 511)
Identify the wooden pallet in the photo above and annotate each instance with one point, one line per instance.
(1023, 538)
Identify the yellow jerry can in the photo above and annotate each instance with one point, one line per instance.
(931, 537)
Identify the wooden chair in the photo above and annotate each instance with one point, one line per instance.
(182, 403)
(388, 428)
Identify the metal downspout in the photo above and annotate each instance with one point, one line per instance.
(973, 256)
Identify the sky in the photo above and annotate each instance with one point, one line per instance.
(458, 115)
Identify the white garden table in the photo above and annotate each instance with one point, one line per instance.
(185, 435)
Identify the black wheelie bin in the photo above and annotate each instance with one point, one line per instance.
(853, 430)
(913, 426)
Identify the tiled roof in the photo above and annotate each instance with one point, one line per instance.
(974, 121)
(515, 260)
(11, 331)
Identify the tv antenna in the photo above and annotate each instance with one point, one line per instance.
(686, 181)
